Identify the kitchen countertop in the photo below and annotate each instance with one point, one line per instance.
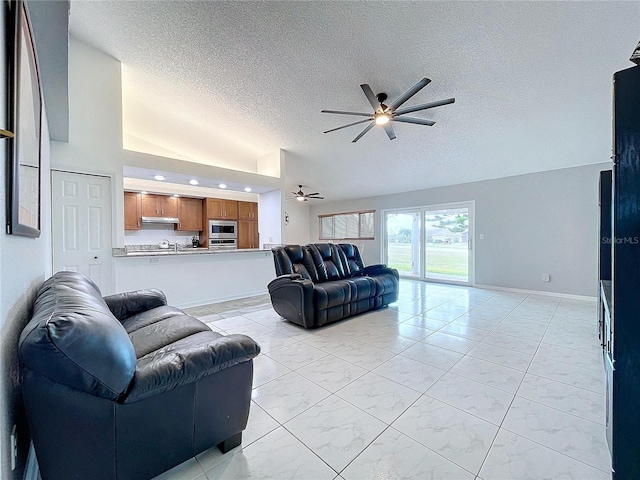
(152, 252)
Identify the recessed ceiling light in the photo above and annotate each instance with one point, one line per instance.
(247, 189)
(159, 177)
(176, 195)
(222, 185)
(144, 192)
(193, 181)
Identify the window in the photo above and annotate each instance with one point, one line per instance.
(347, 226)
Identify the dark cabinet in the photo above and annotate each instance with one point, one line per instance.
(621, 338)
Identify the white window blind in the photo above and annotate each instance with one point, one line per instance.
(347, 226)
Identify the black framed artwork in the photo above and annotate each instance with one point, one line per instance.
(25, 119)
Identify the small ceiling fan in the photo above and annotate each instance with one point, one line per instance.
(304, 197)
(383, 114)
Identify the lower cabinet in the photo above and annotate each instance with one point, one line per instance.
(248, 234)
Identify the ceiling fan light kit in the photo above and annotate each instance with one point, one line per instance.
(304, 197)
(383, 114)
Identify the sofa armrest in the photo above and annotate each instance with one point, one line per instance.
(186, 361)
(124, 305)
(379, 269)
(292, 298)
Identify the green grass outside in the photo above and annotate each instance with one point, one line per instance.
(449, 260)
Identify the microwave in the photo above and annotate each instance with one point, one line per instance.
(223, 229)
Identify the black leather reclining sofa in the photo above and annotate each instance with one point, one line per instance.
(126, 387)
(321, 283)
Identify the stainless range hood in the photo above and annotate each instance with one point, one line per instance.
(165, 220)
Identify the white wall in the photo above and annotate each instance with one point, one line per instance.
(270, 221)
(533, 224)
(24, 264)
(197, 279)
(297, 230)
(95, 124)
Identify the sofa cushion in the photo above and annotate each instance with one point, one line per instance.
(149, 317)
(293, 259)
(332, 294)
(326, 261)
(352, 259)
(74, 339)
(362, 288)
(165, 332)
(187, 360)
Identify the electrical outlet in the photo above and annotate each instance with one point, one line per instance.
(154, 260)
(546, 277)
(14, 448)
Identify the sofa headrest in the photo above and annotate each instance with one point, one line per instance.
(327, 261)
(353, 260)
(74, 339)
(293, 259)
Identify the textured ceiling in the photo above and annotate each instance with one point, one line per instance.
(532, 82)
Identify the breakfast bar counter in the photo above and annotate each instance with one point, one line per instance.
(194, 276)
(126, 252)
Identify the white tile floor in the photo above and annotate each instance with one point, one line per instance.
(447, 383)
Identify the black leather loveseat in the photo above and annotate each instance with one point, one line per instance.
(126, 387)
(323, 282)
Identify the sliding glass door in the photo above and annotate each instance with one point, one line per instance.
(446, 246)
(431, 243)
(402, 240)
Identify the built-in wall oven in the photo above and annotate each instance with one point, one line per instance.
(223, 234)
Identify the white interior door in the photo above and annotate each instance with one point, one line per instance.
(81, 226)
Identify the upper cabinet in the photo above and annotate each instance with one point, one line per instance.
(247, 211)
(189, 214)
(188, 211)
(159, 206)
(132, 211)
(218, 208)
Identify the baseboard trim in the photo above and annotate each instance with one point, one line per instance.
(538, 292)
(222, 299)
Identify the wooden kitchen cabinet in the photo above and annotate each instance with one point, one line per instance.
(248, 234)
(220, 209)
(159, 205)
(247, 211)
(189, 214)
(132, 211)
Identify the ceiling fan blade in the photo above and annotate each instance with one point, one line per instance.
(312, 194)
(348, 125)
(389, 129)
(373, 100)
(340, 112)
(408, 94)
(424, 106)
(418, 121)
(369, 127)
(318, 198)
